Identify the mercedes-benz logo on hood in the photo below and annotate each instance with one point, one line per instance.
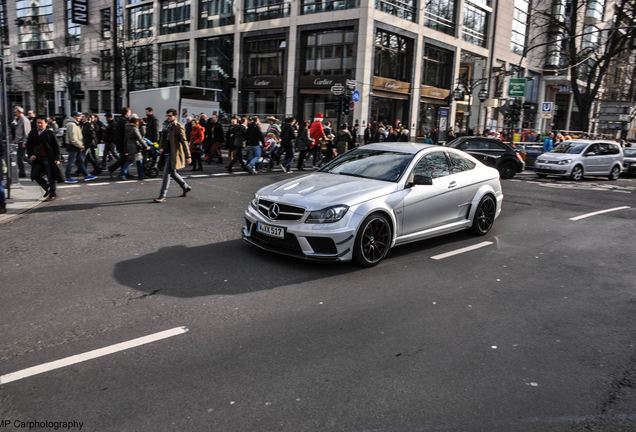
(273, 211)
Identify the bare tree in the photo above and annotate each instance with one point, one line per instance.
(582, 51)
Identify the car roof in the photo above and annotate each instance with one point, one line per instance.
(401, 147)
(588, 141)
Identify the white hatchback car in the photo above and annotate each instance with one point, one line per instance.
(578, 158)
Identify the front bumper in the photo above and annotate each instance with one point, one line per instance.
(320, 242)
(552, 169)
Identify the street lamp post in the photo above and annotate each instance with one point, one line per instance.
(468, 87)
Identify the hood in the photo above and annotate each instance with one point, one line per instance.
(319, 190)
(557, 156)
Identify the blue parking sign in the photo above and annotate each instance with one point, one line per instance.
(546, 107)
(355, 96)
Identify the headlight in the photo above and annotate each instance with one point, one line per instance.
(327, 215)
(541, 161)
(564, 162)
(254, 202)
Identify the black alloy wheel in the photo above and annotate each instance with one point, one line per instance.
(507, 170)
(484, 215)
(373, 240)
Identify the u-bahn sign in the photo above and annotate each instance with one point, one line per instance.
(79, 12)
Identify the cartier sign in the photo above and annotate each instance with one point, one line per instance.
(262, 82)
(321, 82)
(434, 92)
(386, 84)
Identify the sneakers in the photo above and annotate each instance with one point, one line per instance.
(50, 198)
(160, 200)
(283, 168)
(253, 170)
(89, 178)
(71, 180)
(46, 193)
(186, 190)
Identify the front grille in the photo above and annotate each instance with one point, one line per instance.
(289, 244)
(286, 212)
(323, 245)
(550, 171)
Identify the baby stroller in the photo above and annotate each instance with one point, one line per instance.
(271, 153)
(151, 159)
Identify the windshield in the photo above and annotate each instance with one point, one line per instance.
(372, 164)
(630, 152)
(570, 147)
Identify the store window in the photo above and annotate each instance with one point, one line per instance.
(216, 67)
(215, 13)
(316, 6)
(138, 67)
(264, 56)
(93, 101)
(35, 27)
(329, 52)
(475, 25)
(519, 26)
(73, 31)
(175, 16)
(106, 101)
(438, 67)
(174, 60)
(393, 56)
(106, 63)
(140, 22)
(440, 15)
(405, 9)
(261, 10)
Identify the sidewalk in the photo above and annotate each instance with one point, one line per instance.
(23, 198)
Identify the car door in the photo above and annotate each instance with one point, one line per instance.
(430, 206)
(605, 158)
(480, 150)
(591, 159)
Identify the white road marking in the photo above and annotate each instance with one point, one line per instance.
(68, 361)
(587, 215)
(198, 175)
(69, 186)
(126, 181)
(99, 184)
(462, 250)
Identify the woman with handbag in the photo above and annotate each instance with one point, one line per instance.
(197, 136)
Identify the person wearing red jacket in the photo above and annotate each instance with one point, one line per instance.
(197, 136)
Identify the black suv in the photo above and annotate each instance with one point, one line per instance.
(491, 152)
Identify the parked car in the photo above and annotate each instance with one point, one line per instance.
(372, 198)
(579, 158)
(629, 160)
(491, 152)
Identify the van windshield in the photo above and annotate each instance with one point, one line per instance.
(570, 147)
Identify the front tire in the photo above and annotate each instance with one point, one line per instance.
(484, 217)
(614, 173)
(373, 240)
(577, 173)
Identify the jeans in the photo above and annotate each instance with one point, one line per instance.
(140, 169)
(168, 172)
(253, 155)
(109, 149)
(288, 150)
(41, 167)
(301, 159)
(91, 157)
(75, 155)
(20, 155)
(3, 197)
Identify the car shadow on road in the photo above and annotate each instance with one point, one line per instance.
(226, 268)
(55, 207)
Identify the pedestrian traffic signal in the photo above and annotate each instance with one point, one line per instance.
(345, 109)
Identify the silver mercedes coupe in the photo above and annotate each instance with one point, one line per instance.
(372, 198)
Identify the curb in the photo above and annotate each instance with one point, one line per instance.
(23, 199)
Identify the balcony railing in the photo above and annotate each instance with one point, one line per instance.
(401, 9)
(271, 11)
(317, 6)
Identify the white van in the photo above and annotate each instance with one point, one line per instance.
(578, 158)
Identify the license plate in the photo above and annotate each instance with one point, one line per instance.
(272, 231)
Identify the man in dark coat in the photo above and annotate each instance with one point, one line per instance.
(44, 153)
(109, 147)
(216, 137)
(152, 125)
(119, 139)
(254, 137)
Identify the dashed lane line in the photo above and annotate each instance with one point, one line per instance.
(462, 250)
(90, 355)
(587, 215)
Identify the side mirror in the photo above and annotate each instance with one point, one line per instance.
(415, 179)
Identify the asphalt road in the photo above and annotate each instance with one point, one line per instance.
(535, 332)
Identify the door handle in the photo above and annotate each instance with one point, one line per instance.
(452, 184)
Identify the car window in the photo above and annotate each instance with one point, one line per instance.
(614, 149)
(603, 149)
(494, 145)
(433, 165)
(373, 164)
(459, 164)
(630, 152)
(570, 147)
(475, 145)
(592, 149)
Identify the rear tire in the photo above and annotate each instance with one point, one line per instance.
(372, 241)
(507, 170)
(484, 217)
(577, 173)
(615, 173)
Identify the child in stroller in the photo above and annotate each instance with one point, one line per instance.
(151, 159)
(271, 151)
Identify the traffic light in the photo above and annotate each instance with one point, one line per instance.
(345, 109)
(515, 112)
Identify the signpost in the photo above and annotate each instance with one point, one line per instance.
(355, 96)
(517, 87)
(547, 110)
(337, 89)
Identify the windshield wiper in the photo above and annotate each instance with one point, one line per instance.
(353, 175)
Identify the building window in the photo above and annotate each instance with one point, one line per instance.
(138, 66)
(595, 9)
(260, 10)
(393, 55)
(264, 56)
(35, 27)
(175, 16)
(174, 61)
(73, 31)
(438, 67)
(440, 15)
(106, 19)
(316, 6)
(475, 25)
(140, 22)
(93, 101)
(106, 63)
(216, 13)
(3, 23)
(406, 9)
(106, 101)
(329, 52)
(519, 26)
(216, 66)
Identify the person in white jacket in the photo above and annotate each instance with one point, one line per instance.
(75, 149)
